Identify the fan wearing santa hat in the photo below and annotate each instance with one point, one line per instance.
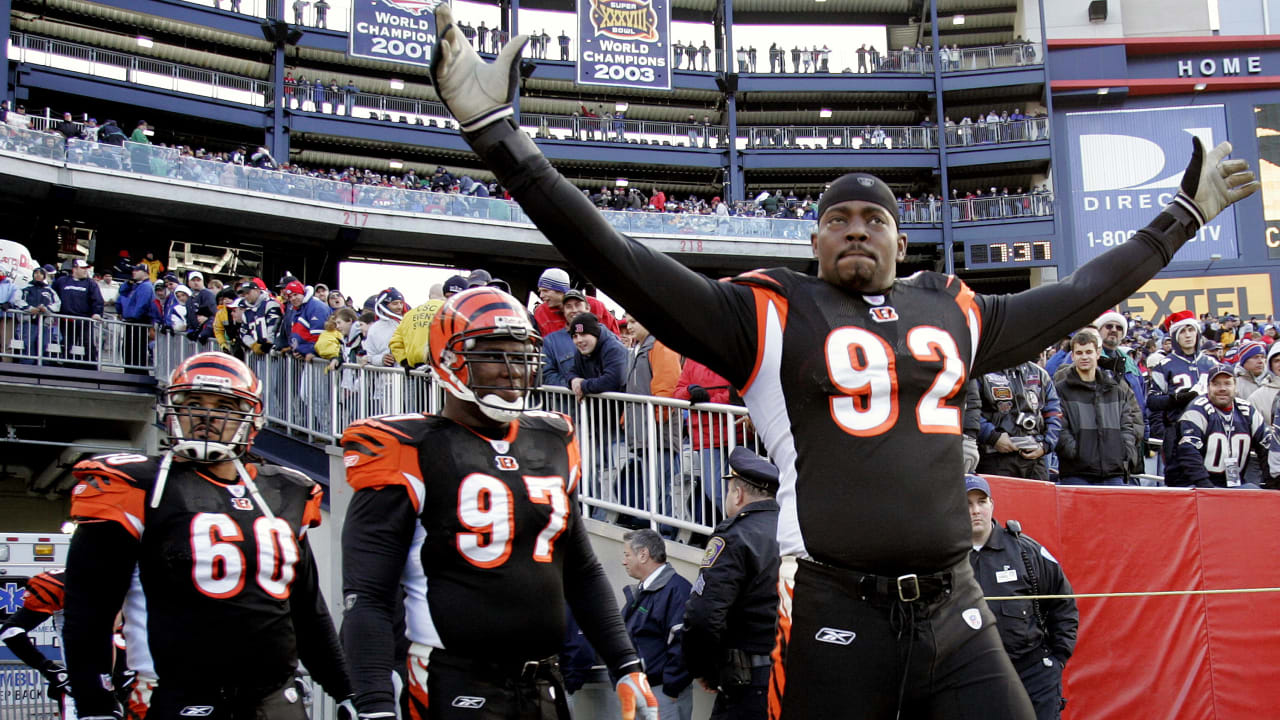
(1113, 328)
(1176, 382)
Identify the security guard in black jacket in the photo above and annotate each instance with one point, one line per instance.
(1039, 635)
(729, 621)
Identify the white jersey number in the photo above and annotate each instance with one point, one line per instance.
(863, 367)
(217, 564)
(486, 509)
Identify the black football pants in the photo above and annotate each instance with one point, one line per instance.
(442, 687)
(845, 658)
(174, 703)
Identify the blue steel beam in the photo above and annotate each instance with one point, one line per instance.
(761, 159)
(995, 154)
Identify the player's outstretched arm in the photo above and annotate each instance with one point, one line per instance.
(1014, 327)
(659, 290)
(100, 564)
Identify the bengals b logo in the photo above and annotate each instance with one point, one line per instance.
(884, 313)
(506, 462)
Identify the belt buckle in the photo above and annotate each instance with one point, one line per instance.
(908, 583)
(530, 671)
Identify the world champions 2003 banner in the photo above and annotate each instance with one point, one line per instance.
(393, 30)
(1127, 164)
(625, 43)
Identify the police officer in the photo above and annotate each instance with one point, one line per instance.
(1021, 419)
(729, 620)
(1039, 635)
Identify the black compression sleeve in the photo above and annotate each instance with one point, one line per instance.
(586, 589)
(100, 565)
(375, 544)
(1014, 327)
(720, 333)
(15, 634)
(318, 646)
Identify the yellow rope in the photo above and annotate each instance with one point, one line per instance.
(1154, 593)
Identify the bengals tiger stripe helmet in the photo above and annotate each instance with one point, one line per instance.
(212, 373)
(485, 313)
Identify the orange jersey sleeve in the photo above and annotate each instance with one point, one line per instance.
(311, 514)
(108, 493)
(45, 593)
(377, 454)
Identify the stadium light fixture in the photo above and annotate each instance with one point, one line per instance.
(621, 106)
(396, 83)
(144, 41)
(957, 19)
(819, 0)
(1103, 91)
(1199, 87)
(395, 164)
(621, 182)
(824, 113)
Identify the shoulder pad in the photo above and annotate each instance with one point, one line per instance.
(544, 418)
(114, 488)
(132, 468)
(932, 281)
(46, 592)
(382, 452)
(296, 477)
(772, 279)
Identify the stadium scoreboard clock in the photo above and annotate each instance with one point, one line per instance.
(1011, 253)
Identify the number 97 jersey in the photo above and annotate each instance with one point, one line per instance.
(489, 526)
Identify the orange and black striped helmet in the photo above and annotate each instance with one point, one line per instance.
(218, 374)
(484, 313)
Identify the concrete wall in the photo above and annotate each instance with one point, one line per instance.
(1071, 19)
(1143, 18)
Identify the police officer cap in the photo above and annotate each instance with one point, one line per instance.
(976, 482)
(754, 470)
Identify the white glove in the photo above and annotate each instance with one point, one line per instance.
(476, 92)
(636, 698)
(1211, 183)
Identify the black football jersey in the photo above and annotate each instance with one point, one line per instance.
(485, 572)
(210, 595)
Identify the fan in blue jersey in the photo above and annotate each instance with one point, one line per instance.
(1217, 432)
(1174, 383)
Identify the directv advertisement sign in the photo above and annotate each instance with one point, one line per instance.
(625, 43)
(1127, 164)
(394, 30)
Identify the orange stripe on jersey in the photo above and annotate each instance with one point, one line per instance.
(418, 704)
(375, 458)
(763, 298)
(575, 465)
(105, 495)
(778, 672)
(762, 277)
(46, 593)
(965, 298)
(311, 513)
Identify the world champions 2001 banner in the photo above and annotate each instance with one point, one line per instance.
(625, 43)
(393, 30)
(1127, 164)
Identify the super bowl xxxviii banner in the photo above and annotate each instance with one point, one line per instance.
(625, 43)
(395, 30)
(1127, 164)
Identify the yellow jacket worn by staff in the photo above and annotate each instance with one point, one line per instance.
(329, 345)
(409, 342)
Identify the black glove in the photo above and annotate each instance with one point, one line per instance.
(1182, 398)
(699, 394)
(55, 674)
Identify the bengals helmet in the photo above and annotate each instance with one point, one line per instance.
(485, 313)
(212, 373)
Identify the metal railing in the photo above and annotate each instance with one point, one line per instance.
(991, 56)
(1002, 207)
(23, 694)
(170, 163)
(138, 70)
(987, 133)
(49, 339)
(656, 459)
(638, 132)
(855, 137)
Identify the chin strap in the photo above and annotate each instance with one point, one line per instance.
(252, 487)
(161, 477)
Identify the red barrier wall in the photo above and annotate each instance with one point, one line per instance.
(1211, 657)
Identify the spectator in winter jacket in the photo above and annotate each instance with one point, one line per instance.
(1101, 422)
(654, 613)
(389, 308)
(202, 305)
(654, 369)
(1112, 328)
(550, 315)
(306, 320)
(601, 362)
(9, 301)
(558, 349)
(698, 384)
(38, 330)
(263, 316)
(332, 343)
(137, 305)
(409, 340)
(1265, 397)
(1251, 368)
(176, 318)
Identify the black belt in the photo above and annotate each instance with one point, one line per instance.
(523, 671)
(233, 694)
(923, 588)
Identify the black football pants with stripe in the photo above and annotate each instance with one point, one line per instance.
(440, 689)
(944, 668)
(174, 703)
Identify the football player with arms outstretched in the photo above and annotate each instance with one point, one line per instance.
(208, 555)
(854, 379)
(474, 513)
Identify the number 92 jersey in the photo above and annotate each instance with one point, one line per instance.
(489, 529)
(214, 575)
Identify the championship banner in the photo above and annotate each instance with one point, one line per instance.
(1126, 165)
(401, 31)
(1267, 121)
(1218, 295)
(625, 43)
